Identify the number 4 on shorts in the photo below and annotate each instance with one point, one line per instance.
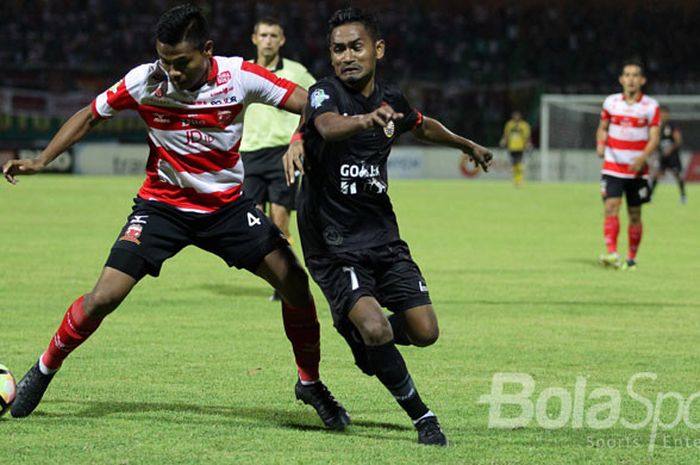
(253, 220)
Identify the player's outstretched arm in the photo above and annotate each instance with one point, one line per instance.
(334, 127)
(434, 131)
(71, 132)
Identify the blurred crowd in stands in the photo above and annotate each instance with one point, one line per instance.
(471, 62)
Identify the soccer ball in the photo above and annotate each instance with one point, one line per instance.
(8, 389)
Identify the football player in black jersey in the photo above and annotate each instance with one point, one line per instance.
(346, 221)
(669, 157)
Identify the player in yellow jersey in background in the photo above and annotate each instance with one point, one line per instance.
(516, 138)
(267, 131)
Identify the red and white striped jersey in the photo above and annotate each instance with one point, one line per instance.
(628, 132)
(194, 137)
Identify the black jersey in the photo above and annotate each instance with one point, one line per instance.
(343, 204)
(667, 137)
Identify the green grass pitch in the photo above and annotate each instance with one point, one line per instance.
(194, 367)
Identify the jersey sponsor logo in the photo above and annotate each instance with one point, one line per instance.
(132, 234)
(389, 130)
(223, 78)
(332, 236)
(195, 136)
(318, 97)
(253, 220)
(359, 171)
(422, 287)
(161, 118)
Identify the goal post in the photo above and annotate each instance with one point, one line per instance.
(568, 122)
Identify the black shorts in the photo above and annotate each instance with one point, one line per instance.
(671, 162)
(516, 157)
(239, 233)
(264, 178)
(387, 273)
(636, 190)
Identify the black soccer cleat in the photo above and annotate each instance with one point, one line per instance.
(317, 395)
(30, 390)
(430, 433)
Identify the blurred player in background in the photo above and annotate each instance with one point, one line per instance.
(669, 157)
(192, 104)
(516, 139)
(628, 134)
(267, 131)
(347, 225)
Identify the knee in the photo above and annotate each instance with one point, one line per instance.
(425, 336)
(376, 331)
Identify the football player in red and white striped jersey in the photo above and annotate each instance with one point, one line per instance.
(192, 103)
(628, 134)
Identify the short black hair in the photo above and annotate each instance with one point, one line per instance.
(632, 62)
(355, 15)
(270, 21)
(183, 23)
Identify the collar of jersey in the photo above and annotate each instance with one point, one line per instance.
(213, 70)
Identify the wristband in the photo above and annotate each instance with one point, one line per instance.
(296, 136)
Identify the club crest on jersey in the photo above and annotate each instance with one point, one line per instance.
(223, 78)
(318, 97)
(389, 129)
(224, 117)
(132, 234)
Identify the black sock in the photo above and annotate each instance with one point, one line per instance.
(400, 335)
(653, 185)
(681, 185)
(389, 366)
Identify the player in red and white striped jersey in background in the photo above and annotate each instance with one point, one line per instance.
(192, 103)
(628, 134)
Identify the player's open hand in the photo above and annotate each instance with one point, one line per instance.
(481, 156)
(638, 164)
(25, 166)
(293, 161)
(381, 117)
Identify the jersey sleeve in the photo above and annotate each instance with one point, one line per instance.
(412, 118)
(263, 86)
(656, 117)
(605, 112)
(322, 99)
(121, 96)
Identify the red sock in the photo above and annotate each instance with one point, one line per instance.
(304, 332)
(611, 229)
(634, 234)
(74, 330)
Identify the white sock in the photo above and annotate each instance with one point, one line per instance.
(429, 414)
(309, 383)
(43, 368)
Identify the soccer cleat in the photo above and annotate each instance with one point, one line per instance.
(629, 265)
(611, 260)
(684, 199)
(317, 395)
(30, 390)
(430, 433)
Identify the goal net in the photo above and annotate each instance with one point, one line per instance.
(568, 125)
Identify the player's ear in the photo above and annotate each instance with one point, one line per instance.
(208, 48)
(620, 80)
(644, 80)
(283, 39)
(379, 48)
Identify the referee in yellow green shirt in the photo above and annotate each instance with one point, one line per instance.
(516, 138)
(267, 130)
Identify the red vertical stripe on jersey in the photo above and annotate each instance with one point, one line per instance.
(656, 119)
